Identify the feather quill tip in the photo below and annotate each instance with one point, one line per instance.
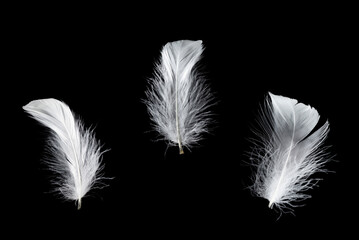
(181, 151)
(79, 204)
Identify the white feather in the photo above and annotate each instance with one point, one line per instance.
(76, 152)
(178, 98)
(289, 152)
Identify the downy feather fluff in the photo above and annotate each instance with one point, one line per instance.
(178, 98)
(76, 153)
(288, 151)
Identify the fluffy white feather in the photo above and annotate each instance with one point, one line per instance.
(287, 152)
(76, 152)
(178, 98)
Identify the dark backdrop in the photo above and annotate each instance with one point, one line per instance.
(98, 62)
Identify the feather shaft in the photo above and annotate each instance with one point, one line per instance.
(177, 121)
(271, 201)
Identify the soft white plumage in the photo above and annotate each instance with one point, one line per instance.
(76, 152)
(178, 98)
(288, 152)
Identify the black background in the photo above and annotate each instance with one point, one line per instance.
(98, 59)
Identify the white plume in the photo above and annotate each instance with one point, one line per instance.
(178, 98)
(76, 152)
(288, 151)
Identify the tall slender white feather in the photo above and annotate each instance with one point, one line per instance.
(178, 98)
(76, 152)
(288, 152)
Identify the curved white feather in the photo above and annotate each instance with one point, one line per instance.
(76, 152)
(178, 97)
(289, 152)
